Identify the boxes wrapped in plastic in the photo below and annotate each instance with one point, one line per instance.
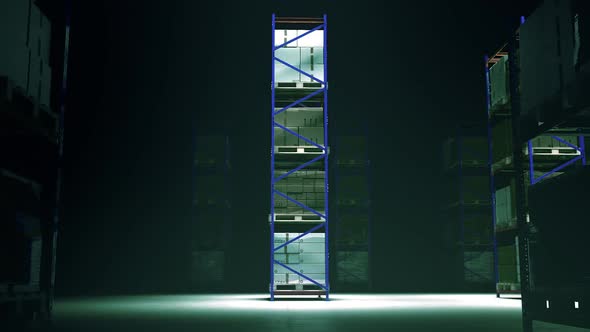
(499, 83)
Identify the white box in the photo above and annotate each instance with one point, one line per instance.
(312, 62)
(283, 36)
(293, 279)
(314, 238)
(293, 258)
(312, 247)
(312, 268)
(312, 258)
(283, 73)
(280, 269)
(314, 39)
(282, 258)
(319, 278)
(280, 278)
(293, 248)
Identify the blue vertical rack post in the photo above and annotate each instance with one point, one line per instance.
(491, 174)
(318, 151)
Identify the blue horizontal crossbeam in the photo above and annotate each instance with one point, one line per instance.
(299, 70)
(300, 167)
(298, 37)
(315, 228)
(299, 101)
(301, 137)
(299, 203)
(301, 274)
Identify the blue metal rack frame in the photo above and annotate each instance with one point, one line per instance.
(491, 174)
(325, 287)
(534, 180)
(533, 299)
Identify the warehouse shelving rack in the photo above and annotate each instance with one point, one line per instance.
(500, 171)
(470, 211)
(212, 210)
(526, 171)
(39, 130)
(308, 158)
(352, 161)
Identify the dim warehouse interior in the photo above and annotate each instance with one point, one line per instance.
(285, 165)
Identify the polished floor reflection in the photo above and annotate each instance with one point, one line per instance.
(400, 312)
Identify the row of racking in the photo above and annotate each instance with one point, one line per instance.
(351, 212)
(31, 127)
(212, 206)
(468, 207)
(538, 123)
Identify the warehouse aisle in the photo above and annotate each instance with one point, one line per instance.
(406, 312)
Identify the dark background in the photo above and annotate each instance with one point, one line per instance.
(147, 78)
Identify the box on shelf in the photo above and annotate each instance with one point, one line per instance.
(505, 206)
(550, 142)
(502, 141)
(284, 73)
(301, 117)
(313, 39)
(500, 84)
(312, 62)
(284, 35)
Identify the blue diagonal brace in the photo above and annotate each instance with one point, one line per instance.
(299, 70)
(556, 169)
(566, 143)
(299, 203)
(299, 101)
(301, 274)
(299, 37)
(302, 137)
(535, 180)
(315, 228)
(300, 167)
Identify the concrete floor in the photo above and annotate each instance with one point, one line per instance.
(411, 312)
